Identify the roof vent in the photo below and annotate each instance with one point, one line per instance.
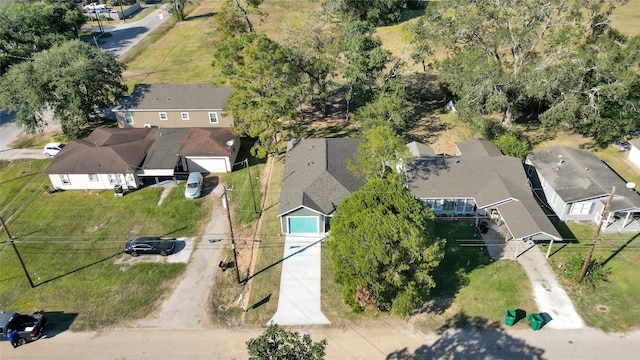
(155, 100)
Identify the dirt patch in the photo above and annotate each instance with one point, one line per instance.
(602, 308)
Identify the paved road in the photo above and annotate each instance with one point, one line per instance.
(121, 37)
(395, 341)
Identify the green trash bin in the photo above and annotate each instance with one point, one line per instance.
(511, 318)
(155, 6)
(535, 321)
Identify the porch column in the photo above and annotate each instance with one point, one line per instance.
(549, 249)
(515, 256)
(608, 222)
(477, 218)
(624, 223)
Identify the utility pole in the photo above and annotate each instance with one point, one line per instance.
(605, 212)
(24, 268)
(233, 241)
(255, 207)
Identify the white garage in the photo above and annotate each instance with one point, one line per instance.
(208, 164)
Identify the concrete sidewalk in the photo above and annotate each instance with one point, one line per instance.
(553, 302)
(299, 299)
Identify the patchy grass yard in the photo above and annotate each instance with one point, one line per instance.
(69, 241)
(613, 306)
(264, 282)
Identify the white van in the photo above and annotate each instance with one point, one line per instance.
(194, 186)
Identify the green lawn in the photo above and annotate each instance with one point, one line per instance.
(620, 295)
(265, 277)
(71, 242)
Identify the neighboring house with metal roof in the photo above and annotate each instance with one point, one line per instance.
(174, 106)
(634, 153)
(481, 182)
(114, 156)
(576, 185)
(315, 180)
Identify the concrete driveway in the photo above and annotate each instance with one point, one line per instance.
(299, 299)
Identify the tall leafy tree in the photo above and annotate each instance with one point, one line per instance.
(365, 60)
(177, 9)
(597, 92)
(233, 19)
(381, 153)
(390, 107)
(383, 248)
(72, 79)
(376, 12)
(498, 51)
(27, 28)
(264, 88)
(278, 343)
(313, 49)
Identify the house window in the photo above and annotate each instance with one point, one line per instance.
(213, 118)
(449, 204)
(128, 118)
(554, 199)
(163, 116)
(581, 208)
(460, 205)
(93, 177)
(65, 179)
(184, 116)
(113, 180)
(470, 206)
(437, 204)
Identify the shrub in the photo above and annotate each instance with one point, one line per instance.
(596, 273)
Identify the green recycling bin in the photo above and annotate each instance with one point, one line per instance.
(511, 318)
(535, 321)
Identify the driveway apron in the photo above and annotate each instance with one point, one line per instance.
(299, 299)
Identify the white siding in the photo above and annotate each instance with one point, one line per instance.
(83, 182)
(634, 156)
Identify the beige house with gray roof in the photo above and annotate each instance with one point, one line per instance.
(174, 106)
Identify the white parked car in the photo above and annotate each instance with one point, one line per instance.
(52, 149)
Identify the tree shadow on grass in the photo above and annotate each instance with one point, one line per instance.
(471, 337)
(452, 273)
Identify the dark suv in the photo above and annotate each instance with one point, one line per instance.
(149, 245)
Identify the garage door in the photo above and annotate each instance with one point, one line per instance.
(207, 164)
(301, 225)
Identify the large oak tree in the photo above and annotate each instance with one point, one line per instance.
(383, 248)
(72, 79)
(265, 87)
(518, 58)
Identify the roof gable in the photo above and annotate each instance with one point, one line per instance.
(316, 174)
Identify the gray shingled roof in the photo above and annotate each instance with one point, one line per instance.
(492, 180)
(478, 148)
(163, 153)
(316, 175)
(418, 150)
(175, 97)
(635, 142)
(579, 175)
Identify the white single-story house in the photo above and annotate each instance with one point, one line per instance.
(125, 157)
(577, 185)
(634, 153)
